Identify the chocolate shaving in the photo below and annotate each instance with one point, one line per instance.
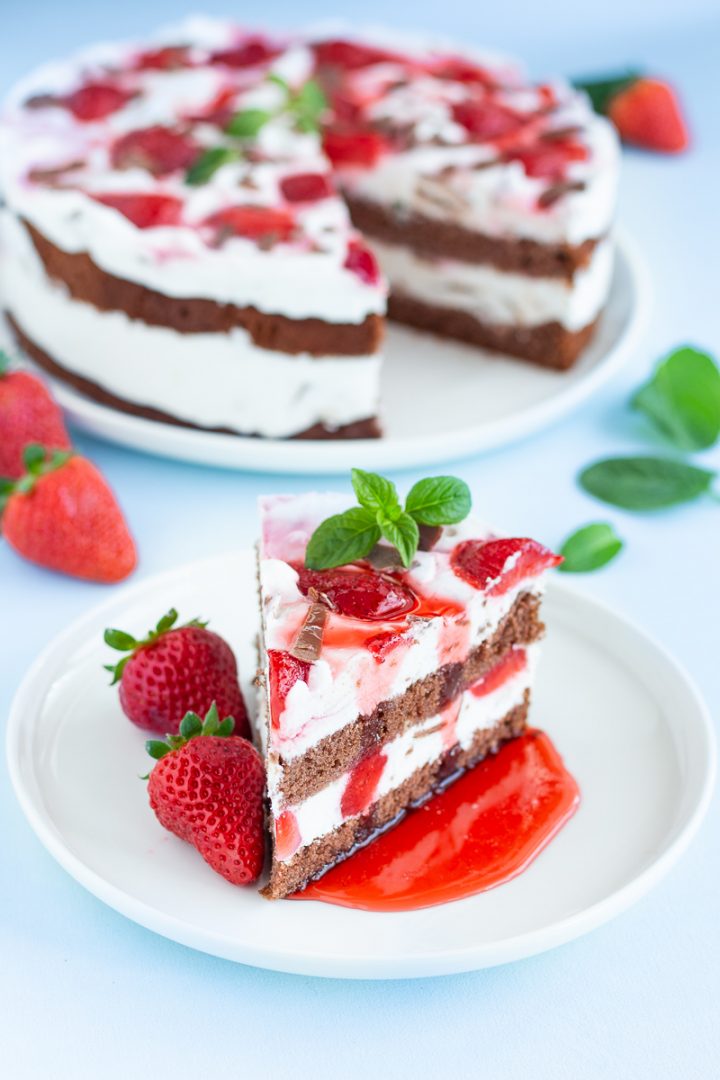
(308, 643)
(429, 536)
(384, 557)
(41, 101)
(558, 134)
(52, 175)
(556, 191)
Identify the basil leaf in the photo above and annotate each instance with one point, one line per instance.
(439, 500)
(208, 163)
(683, 399)
(590, 548)
(602, 91)
(247, 124)
(645, 483)
(403, 534)
(342, 539)
(374, 492)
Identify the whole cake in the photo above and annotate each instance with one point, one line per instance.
(193, 227)
(382, 681)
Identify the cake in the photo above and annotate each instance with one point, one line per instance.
(193, 226)
(382, 682)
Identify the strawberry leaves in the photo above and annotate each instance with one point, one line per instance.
(38, 462)
(191, 726)
(123, 642)
(345, 538)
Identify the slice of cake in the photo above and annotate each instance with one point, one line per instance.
(382, 681)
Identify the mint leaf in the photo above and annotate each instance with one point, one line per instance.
(308, 105)
(589, 548)
(402, 533)
(602, 91)
(439, 500)
(208, 164)
(247, 124)
(342, 539)
(645, 483)
(375, 492)
(683, 399)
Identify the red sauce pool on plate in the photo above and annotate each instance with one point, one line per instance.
(482, 830)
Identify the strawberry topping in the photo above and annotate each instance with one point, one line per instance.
(362, 784)
(361, 261)
(146, 210)
(486, 119)
(287, 835)
(249, 53)
(284, 671)
(359, 149)
(169, 58)
(306, 187)
(350, 55)
(548, 160)
(459, 70)
(511, 664)
(254, 222)
(498, 565)
(648, 114)
(158, 149)
(95, 101)
(381, 645)
(360, 594)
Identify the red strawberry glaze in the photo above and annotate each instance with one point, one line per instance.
(482, 563)
(351, 55)
(284, 671)
(360, 594)
(287, 835)
(486, 119)
(362, 784)
(384, 644)
(95, 101)
(254, 222)
(548, 161)
(481, 831)
(145, 210)
(361, 261)
(459, 70)
(168, 58)
(511, 664)
(158, 149)
(248, 53)
(306, 187)
(354, 149)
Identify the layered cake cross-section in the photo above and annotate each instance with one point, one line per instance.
(381, 682)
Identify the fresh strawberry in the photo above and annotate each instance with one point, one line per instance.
(360, 594)
(207, 788)
(28, 414)
(549, 160)
(158, 149)
(486, 119)
(167, 58)
(354, 149)
(175, 669)
(306, 187)
(95, 101)
(362, 784)
(62, 514)
(498, 565)
(248, 53)
(145, 210)
(648, 114)
(361, 261)
(287, 835)
(254, 223)
(284, 671)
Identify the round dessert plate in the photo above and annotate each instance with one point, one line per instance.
(628, 722)
(440, 400)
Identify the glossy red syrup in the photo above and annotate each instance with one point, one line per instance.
(481, 831)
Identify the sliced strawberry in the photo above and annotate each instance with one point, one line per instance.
(158, 149)
(382, 645)
(498, 565)
(361, 261)
(145, 210)
(95, 101)
(458, 69)
(254, 222)
(218, 111)
(362, 784)
(167, 58)
(359, 149)
(287, 835)
(248, 53)
(351, 55)
(486, 119)
(306, 187)
(360, 594)
(648, 114)
(284, 672)
(511, 664)
(548, 160)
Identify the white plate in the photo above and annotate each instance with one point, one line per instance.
(440, 400)
(630, 725)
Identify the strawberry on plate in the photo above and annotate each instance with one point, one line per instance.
(28, 414)
(207, 788)
(173, 670)
(62, 514)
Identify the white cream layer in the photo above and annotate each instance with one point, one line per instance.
(321, 813)
(498, 296)
(212, 380)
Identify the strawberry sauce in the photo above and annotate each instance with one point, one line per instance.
(481, 831)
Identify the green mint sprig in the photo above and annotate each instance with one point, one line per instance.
(347, 537)
(590, 548)
(682, 398)
(209, 162)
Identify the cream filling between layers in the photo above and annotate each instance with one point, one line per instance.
(497, 296)
(212, 380)
(321, 814)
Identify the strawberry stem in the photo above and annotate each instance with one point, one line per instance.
(191, 727)
(123, 642)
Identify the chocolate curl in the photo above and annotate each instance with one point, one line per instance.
(384, 557)
(429, 536)
(556, 191)
(308, 643)
(558, 134)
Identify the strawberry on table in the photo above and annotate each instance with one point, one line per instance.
(28, 414)
(646, 111)
(173, 670)
(207, 788)
(62, 514)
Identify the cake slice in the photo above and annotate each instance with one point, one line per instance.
(381, 682)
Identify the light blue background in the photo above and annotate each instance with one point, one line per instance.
(86, 994)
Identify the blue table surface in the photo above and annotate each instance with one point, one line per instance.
(86, 993)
